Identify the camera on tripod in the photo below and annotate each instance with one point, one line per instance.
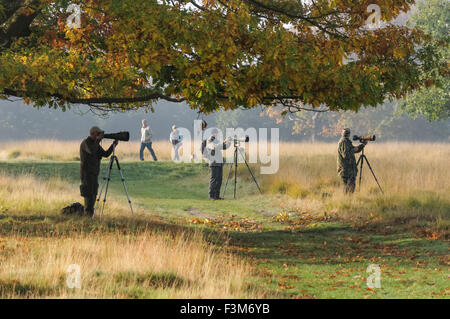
(363, 139)
(238, 151)
(363, 158)
(121, 136)
(237, 141)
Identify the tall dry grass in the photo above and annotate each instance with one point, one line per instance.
(55, 150)
(118, 258)
(400, 167)
(117, 266)
(415, 178)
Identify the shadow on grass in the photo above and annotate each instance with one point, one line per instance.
(331, 243)
(133, 171)
(334, 245)
(150, 279)
(131, 284)
(24, 290)
(57, 226)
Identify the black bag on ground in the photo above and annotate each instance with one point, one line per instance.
(74, 209)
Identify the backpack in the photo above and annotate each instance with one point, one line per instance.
(74, 209)
(203, 146)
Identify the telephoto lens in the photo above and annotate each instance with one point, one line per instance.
(243, 139)
(121, 136)
(367, 138)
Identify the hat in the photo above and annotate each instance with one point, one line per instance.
(346, 132)
(95, 130)
(204, 125)
(214, 131)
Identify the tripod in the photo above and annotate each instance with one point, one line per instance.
(106, 181)
(360, 162)
(235, 163)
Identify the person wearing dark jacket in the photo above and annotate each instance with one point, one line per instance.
(91, 154)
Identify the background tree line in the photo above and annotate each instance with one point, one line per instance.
(19, 121)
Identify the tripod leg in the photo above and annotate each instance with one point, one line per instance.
(361, 160)
(235, 170)
(228, 178)
(107, 185)
(105, 182)
(100, 194)
(371, 170)
(251, 173)
(124, 185)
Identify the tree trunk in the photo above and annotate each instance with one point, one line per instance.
(16, 21)
(313, 135)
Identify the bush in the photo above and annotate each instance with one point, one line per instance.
(14, 154)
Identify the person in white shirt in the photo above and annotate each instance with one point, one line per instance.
(146, 141)
(175, 139)
(212, 151)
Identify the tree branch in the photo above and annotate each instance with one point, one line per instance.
(119, 100)
(305, 18)
(100, 100)
(21, 15)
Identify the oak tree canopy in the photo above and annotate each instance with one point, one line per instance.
(212, 54)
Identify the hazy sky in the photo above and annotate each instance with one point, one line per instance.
(19, 121)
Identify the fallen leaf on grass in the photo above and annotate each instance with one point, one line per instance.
(284, 285)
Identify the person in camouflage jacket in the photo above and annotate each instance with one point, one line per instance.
(346, 162)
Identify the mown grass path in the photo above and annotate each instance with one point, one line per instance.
(324, 258)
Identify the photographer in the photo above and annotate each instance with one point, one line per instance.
(175, 140)
(346, 161)
(91, 154)
(146, 141)
(212, 151)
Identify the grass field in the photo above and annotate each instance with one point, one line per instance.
(301, 239)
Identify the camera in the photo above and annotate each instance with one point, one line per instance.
(237, 140)
(204, 125)
(121, 136)
(362, 139)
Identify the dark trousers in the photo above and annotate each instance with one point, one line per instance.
(89, 203)
(216, 181)
(149, 147)
(89, 189)
(176, 146)
(349, 183)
